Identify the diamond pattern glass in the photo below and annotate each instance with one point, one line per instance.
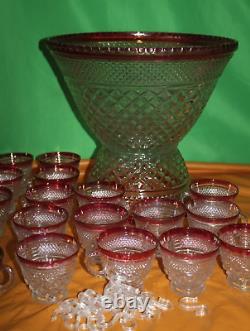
(22, 161)
(235, 255)
(5, 205)
(212, 215)
(39, 219)
(127, 253)
(158, 215)
(139, 94)
(90, 221)
(60, 174)
(58, 158)
(213, 189)
(47, 263)
(189, 256)
(59, 194)
(99, 192)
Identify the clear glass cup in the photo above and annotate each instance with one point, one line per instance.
(127, 253)
(47, 263)
(57, 174)
(12, 177)
(235, 254)
(6, 274)
(22, 161)
(91, 220)
(59, 194)
(5, 206)
(39, 219)
(213, 189)
(158, 215)
(189, 257)
(212, 215)
(99, 192)
(59, 158)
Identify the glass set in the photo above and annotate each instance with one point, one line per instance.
(122, 243)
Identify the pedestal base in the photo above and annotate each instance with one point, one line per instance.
(142, 174)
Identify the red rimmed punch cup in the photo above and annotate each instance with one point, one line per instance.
(39, 219)
(59, 194)
(57, 174)
(126, 254)
(58, 158)
(12, 177)
(235, 255)
(213, 215)
(90, 221)
(211, 189)
(22, 161)
(158, 215)
(189, 257)
(47, 263)
(99, 192)
(5, 206)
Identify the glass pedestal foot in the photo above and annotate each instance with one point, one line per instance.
(191, 304)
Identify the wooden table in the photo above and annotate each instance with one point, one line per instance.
(229, 309)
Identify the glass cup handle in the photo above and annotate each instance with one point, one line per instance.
(91, 262)
(8, 271)
(243, 219)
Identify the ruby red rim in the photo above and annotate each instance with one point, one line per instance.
(154, 220)
(53, 186)
(214, 182)
(53, 237)
(15, 155)
(127, 256)
(194, 46)
(16, 171)
(42, 158)
(69, 180)
(214, 220)
(230, 229)
(49, 207)
(123, 213)
(8, 195)
(190, 232)
(91, 186)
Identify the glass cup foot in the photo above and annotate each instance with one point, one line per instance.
(191, 304)
(242, 284)
(48, 298)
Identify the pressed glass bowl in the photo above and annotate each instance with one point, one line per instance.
(39, 219)
(235, 254)
(47, 263)
(139, 93)
(56, 158)
(158, 215)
